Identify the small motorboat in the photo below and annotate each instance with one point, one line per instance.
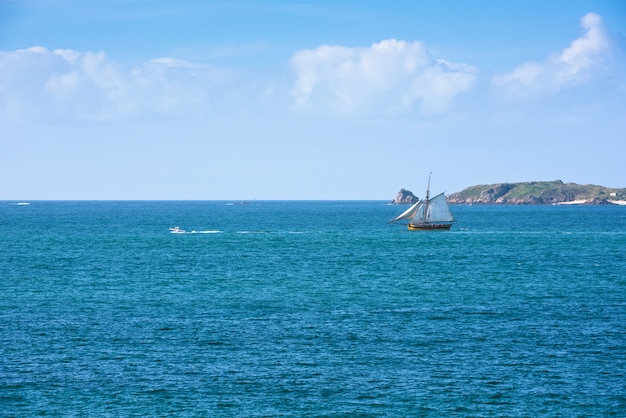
(177, 230)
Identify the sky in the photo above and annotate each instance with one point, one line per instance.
(273, 99)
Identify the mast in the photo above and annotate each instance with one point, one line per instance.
(427, 197)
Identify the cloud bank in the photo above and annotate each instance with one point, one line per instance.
(385, 78)
(572, 66)
(388, 76)
(39, 83)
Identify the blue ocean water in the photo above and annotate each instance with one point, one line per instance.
(314, 308)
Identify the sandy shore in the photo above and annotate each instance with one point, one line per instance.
(582, 201)
(573, 202)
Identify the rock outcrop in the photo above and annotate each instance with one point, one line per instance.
(492, 194)
(405, 197)
(598, 201)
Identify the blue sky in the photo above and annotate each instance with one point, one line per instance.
(139, 99)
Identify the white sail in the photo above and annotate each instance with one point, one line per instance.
(409, 213)
(438, 210)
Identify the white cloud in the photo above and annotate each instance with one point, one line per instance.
(388, 76)
(574, 65)
(39, 83)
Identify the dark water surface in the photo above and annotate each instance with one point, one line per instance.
(310, 309)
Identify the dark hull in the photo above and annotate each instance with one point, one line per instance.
(429, 227)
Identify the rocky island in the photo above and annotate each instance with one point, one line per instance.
(405, 197)
(539, 193)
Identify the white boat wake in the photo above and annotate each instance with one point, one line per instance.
(178, 230)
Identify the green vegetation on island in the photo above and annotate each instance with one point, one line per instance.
(539, 193)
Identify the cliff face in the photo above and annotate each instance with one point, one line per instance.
(537, 193)
(405, 197)
(495, 193)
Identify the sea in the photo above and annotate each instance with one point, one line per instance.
(310, 309)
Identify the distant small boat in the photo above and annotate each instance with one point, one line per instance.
(23, 203)
(428, 214)
(177, 230)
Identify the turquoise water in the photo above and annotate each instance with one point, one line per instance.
(310, 309)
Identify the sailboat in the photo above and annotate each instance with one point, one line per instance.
(428, 214)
